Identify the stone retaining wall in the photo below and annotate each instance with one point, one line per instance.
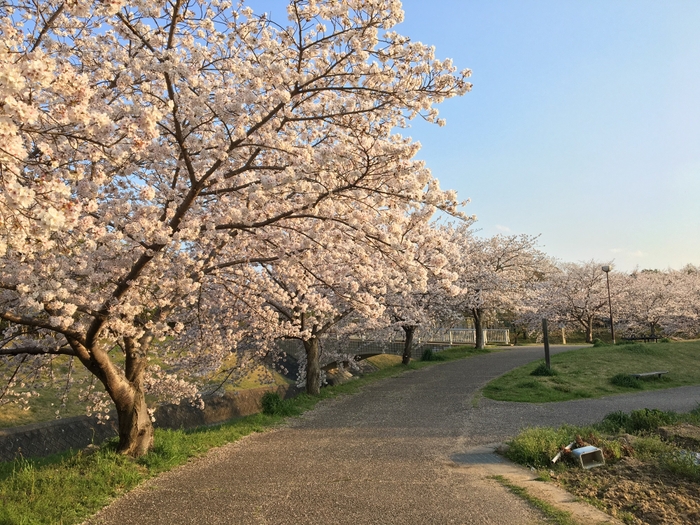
(51, 437)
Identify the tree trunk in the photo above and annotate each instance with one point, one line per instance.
(313, 369)
(563, 335)
(134, 421)
(135, 426)
(477, 313)
(410, 330)
(125, 388)
(589, 330)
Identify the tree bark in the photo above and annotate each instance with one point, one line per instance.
(134, 421)
(135, 426)
(125, 388)
(589, 330)
(477, 314)
(409, 330)
(313, 369)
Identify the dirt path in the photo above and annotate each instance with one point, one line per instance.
(384, 456)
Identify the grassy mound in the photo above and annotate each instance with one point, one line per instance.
(600, 371)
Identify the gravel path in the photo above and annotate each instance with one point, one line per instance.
(378, 457)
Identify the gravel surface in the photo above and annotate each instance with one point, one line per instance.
(382, 456)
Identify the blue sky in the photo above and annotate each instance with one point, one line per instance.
(583, 125)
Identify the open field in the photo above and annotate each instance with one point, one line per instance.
(67, 488)
(587, 372)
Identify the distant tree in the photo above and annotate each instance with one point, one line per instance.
(686, 320)
(495, 274)
(652, 300)
(576, 294)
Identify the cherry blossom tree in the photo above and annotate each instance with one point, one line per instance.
(148, 148)
(651, 302)
(495, 274)
(576, 294)
(686, 320)
(332, 282)
(424, 302)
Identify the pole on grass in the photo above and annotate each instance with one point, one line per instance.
(606, 269)
(546, 343)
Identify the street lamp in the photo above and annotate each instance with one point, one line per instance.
(606, 269)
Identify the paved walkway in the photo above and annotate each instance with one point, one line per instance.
(388, 455)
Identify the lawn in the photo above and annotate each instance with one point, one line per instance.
(588, 372)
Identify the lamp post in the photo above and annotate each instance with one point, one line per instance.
(606, 269)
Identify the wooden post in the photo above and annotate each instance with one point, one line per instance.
(546, 342)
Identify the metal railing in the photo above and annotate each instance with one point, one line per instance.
(463, 336)
(365, 345)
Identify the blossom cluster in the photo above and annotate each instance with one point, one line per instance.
(175, 179)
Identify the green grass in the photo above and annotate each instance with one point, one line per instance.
(536, 446)
(597, 372)
(273, 405)
(543, 370)
(554, 515)
(67, 488)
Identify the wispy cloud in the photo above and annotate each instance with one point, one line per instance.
(504, 229)
(616, 250)
(638, 253)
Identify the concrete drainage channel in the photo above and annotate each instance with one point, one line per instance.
(485, 463)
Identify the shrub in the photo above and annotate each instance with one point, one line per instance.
(626, 381)
(543, 370)
(639, 348)
(664, 340)
(649, 419)
(430, 355)
(599, 342)
(537, 446)
(615, 422)
(637, 421)
(683, 463)
(651, 447)
(274, 405)
(696, 411)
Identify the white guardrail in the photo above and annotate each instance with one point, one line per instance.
(452, 336)
(461, 336)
